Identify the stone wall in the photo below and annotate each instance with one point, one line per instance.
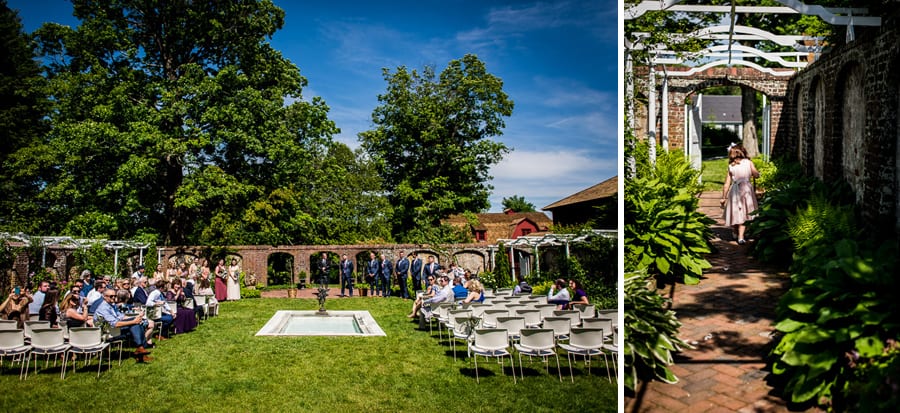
(845, 124)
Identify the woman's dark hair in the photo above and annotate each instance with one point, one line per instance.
(577, 283)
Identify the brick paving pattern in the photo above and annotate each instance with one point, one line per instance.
(728, 317)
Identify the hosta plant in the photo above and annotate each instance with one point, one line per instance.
(650, 333)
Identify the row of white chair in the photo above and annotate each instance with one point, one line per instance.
(495, 343)
(461, 323)
(87, 341)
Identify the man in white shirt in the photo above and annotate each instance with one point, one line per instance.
(35, 307)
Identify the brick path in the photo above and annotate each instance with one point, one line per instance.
(728, 317)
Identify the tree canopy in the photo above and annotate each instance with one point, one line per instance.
(178, 122)
(518, 204)
(23, 106)
(432, 142)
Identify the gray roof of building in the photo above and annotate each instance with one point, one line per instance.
(721, 109)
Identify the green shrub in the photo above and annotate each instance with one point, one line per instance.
(773, 243)
(246, 293)
(541, 288)
(651, 333)
(843, 305)
(664, 233)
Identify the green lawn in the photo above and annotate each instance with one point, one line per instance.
(223, 367)
(714, 171)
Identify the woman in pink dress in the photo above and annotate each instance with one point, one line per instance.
(221, 286)
(738, 195)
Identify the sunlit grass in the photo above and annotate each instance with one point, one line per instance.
(224, 367)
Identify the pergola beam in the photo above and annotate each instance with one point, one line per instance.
(838, 16)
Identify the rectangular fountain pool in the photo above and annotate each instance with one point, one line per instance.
(310, 323)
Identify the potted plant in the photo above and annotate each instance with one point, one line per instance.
(363, 289)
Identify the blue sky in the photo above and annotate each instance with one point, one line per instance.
(557, 60)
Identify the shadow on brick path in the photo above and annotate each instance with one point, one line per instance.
(729, 319)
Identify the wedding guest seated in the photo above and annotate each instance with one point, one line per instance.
(138, 326)
(459, 291)
(15, 307)
(157, 298)
(75, 315)
(579, 296)
(442, 296)
(185, 320)
(430, 292)
(476, 293)
(49, 309)
(558, 294)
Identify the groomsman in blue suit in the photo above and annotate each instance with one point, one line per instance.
(416, 270)
(387, 272)
(402, 269)
(346, 275)
(372, 270)
(431, 267)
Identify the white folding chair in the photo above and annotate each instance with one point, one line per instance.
(532, 317)
(46, 342)
(9, 325)
(512, 325)
(602, 323)
(538, 342)
(451, 319)
(587, 311)
(200, 301)
(586, 342)
(546, 310)
(489, 317)
(493, 343)
(86, 341)
(12, 343)
(559, 325)
(574, 316)
(34, 324)
(462, 329)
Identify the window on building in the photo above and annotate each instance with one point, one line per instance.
(526, 231)
(480, 236)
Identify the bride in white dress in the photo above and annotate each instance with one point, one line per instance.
(233, 280)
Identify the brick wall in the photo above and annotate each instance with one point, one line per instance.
(846, 127)
(682, 87)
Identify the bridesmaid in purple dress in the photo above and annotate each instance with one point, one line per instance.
(185, 321)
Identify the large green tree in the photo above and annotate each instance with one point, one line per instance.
(518, 204)
(432, 142)
(23, 106)
(178, 119)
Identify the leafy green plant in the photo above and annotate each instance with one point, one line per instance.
(541, 288)
(248, 293)
(874, 380)
(843, 304)
(664, 233)
(502, 271)
(651, 333)
(773, 243)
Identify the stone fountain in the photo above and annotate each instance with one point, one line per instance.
(323, 292)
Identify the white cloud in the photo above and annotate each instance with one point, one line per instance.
(544, 177)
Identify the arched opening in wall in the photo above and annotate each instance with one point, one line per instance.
(473, 261)
(818, 127)
(324, 264)
(726, 115)
(280, 271)
(852, 100)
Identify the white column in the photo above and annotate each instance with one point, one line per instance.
(651, 114)
(664, 133)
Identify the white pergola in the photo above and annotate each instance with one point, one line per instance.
(727, 52)
(536, 241)
(83, 243)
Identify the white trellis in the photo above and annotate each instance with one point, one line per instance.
(727, 52)
(83, 243)
(537, 241)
